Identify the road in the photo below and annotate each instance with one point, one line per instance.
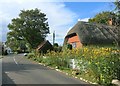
(17, 69)
(0, 71)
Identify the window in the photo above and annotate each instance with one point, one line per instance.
(74, 44)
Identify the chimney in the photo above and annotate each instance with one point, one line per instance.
(110, 22)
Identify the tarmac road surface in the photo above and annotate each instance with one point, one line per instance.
(17, 69)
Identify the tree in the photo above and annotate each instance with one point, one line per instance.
(57, 48)
(31, 26)
(117, 12)
(12, 43)
(56, 45)
(103, 17)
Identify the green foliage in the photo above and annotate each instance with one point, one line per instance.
(66, 47)
(31, 55)
(12, 43)
(17, 45)
(103, 17)
(117, 12)
(117, 3)
(105, 69)
(69, 46)
(100, 64)
(56, 45)
(31, 26)
(52, 59)
(57, 48)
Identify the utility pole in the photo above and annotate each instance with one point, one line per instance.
(53, 37)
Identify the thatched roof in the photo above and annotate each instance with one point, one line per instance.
(44, 46)
(91, 33)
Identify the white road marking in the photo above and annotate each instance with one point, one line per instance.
(15, 60)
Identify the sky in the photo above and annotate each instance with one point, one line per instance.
(62, 16)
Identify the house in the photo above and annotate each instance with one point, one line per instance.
(44, 47)
(84, 33)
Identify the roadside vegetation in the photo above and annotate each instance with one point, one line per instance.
(95, 64)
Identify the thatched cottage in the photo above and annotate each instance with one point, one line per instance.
(84, 33)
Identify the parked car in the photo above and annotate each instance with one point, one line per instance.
(25, 54)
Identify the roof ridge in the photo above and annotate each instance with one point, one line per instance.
(41, 44)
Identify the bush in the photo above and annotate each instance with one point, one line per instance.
(31, 55)
(55, 45)
(97, 64)
(105, 69)
(103, 64)
(69, 46)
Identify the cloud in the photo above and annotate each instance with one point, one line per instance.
(3, 28)
(84, 19)
(59, 17)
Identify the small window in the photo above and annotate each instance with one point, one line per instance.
(74, 44)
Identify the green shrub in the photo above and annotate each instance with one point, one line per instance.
(98, 64)
(31, 55)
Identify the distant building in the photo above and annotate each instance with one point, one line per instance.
(84, 33)
(44, 47)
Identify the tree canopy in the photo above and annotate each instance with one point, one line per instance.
(103, 17)
(117, 8)
(117, 11)
(31, 27)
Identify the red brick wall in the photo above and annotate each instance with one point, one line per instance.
(75, 39)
